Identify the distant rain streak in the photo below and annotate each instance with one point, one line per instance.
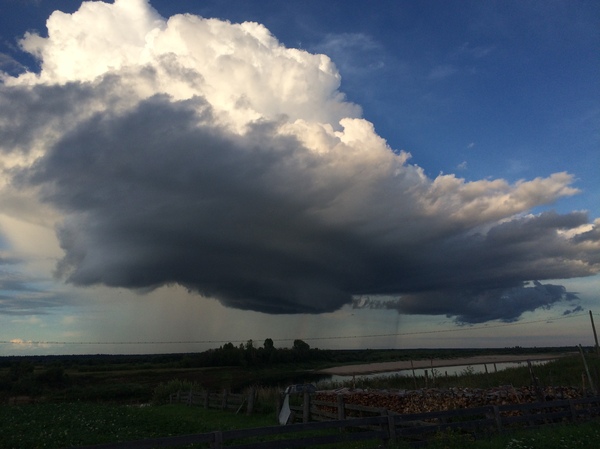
(204, 153)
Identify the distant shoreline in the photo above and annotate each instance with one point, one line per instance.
(383, 367)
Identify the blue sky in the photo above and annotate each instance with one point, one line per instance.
(418, 179)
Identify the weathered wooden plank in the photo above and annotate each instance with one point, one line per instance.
(314, 440)
(533, 405)
(315, 412)
(299, 428)
(481, 411)
(158, 442)
(434, 428)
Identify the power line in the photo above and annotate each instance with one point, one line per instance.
(338, 337)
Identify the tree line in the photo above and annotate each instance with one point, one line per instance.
(250, 354)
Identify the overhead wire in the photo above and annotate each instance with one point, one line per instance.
(462, 328)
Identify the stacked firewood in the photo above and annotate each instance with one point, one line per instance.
(431, 400)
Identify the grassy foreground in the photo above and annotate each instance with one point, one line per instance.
(76, 408)
(572, 436)
(75, 424)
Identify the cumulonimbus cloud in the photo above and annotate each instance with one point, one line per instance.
(203, 153)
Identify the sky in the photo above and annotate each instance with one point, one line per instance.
(176, 175)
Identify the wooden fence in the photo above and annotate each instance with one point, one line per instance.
(223, 401)
(386, 428)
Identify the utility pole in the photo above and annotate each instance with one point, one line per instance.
(595, 335)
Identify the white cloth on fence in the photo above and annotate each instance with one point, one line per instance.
(285, 412)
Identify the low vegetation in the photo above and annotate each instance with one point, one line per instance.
(65, 401)
(56, 425)
(133, 378)
(74, 424)
(566, 371)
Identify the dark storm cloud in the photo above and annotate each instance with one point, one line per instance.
(35, 115)
(161, 195)
(154, 199)
(206, 154)
(477, 304)
(574, 310)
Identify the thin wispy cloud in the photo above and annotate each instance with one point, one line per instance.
(354, 53)
(202, 153)
(9, 64)
(441, 72)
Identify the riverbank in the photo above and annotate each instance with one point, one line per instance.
(382, 367)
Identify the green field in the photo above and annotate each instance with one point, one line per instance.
(74, 424)
(133, 378)
(72, 401)
(53, 425)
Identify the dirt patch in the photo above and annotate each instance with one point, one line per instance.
(384, 367)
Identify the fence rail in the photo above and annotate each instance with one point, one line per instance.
(386, 427)
(223, 401)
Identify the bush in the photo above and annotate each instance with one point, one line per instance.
(113, 393)
(266, 399)
(53, 377)
(164, 390)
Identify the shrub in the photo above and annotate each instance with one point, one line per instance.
(266, 399)
(164, 390)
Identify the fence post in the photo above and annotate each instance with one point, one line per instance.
(498, 418)
(391, 424)
(595, 334)
(306, 407)
(251, 397)
(279, 405)
(573, 411)
(224, 400)
(536, 385)
(218, 444)
(341, 407)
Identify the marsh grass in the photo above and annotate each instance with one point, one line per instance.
(565, 371)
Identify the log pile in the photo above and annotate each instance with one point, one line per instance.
(432, 400)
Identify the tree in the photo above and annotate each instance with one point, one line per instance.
(268, 344)
(300, 345)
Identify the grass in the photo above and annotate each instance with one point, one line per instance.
(564, 372)
(567, 436)
(77, 424)
(90, 407)
(74, 424)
